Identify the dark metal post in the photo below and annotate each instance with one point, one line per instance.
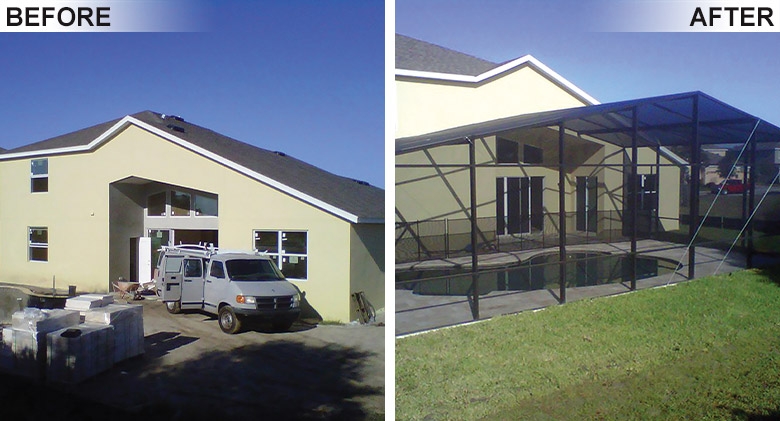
(745, 159)
(474, 260)
(751, 203)
(657, 224)
(634, 195)
(695, 173)
(561, 214)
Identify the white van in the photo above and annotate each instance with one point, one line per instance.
(233, 285)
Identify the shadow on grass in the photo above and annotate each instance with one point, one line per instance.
(739, 414)
(770, 274)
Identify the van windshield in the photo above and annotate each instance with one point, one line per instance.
(253, 270)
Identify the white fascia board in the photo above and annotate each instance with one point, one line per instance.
(71, 149)
(524, 60)
(208, 154)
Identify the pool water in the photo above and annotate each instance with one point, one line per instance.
(538, 272)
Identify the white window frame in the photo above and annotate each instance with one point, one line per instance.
(281, 253)
(31, 244)
(34, 176)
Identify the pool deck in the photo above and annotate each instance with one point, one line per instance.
(415, 313)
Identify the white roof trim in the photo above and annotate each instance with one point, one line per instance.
(127, 120)
(522, 61)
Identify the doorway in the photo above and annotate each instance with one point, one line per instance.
(587, 204)
(519, 204)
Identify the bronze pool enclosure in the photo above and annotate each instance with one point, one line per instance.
(681, 128)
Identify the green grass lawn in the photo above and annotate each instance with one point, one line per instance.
(705, 349)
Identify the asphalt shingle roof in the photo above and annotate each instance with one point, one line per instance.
(358, 198)
(413, 54)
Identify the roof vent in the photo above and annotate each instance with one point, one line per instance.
(171, 117)
(280, 153)
(361, 182)
(175, 128)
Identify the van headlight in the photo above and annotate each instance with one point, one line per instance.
(243, 299)
(296, 302)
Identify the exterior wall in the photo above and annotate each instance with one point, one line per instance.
(426, 106)
(367, 263)
(443, 193)
(76, 212)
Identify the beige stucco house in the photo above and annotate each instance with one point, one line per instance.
(517, 181)
(94, 205)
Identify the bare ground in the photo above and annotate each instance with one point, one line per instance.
(193, 370)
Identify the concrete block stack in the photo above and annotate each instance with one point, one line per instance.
(86, 302)
(77, 353)
(128, 323)
(53, 344)
(27, 337)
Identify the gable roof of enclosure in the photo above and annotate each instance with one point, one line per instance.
(662, 121)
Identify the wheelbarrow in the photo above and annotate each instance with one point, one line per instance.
(127, 288)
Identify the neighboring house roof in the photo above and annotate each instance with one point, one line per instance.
(413, 54)
(350, 199)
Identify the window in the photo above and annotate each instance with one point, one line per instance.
(38, 250)
(506, 151)
(173, 264)
(193, 268)
(289, 249)
(532, 155)
(39, 175)
(155, 204)
(217, 270)
(180, 204)
(205, 206)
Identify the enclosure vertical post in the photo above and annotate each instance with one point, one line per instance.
(657, 218)
(474, 260)
(751, 203)
(745, 161)
(634, 194)
(561, 214)
(695, 173)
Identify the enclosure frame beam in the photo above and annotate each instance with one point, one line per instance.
(561, 215)
(694, 193)
(751, 204)
(473, 216)
(635, 194)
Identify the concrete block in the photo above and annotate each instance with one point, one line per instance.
(37, 320)
(127, 320)
(83, 303)
(29, 353)
(77, 353)
(105, 299)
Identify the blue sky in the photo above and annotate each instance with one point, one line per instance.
(302, 77)
(740, 69)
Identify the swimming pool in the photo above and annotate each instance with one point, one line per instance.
(538, 272)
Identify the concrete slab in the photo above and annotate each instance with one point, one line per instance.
(415, 313)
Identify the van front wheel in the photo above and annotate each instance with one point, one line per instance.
(228, 320)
